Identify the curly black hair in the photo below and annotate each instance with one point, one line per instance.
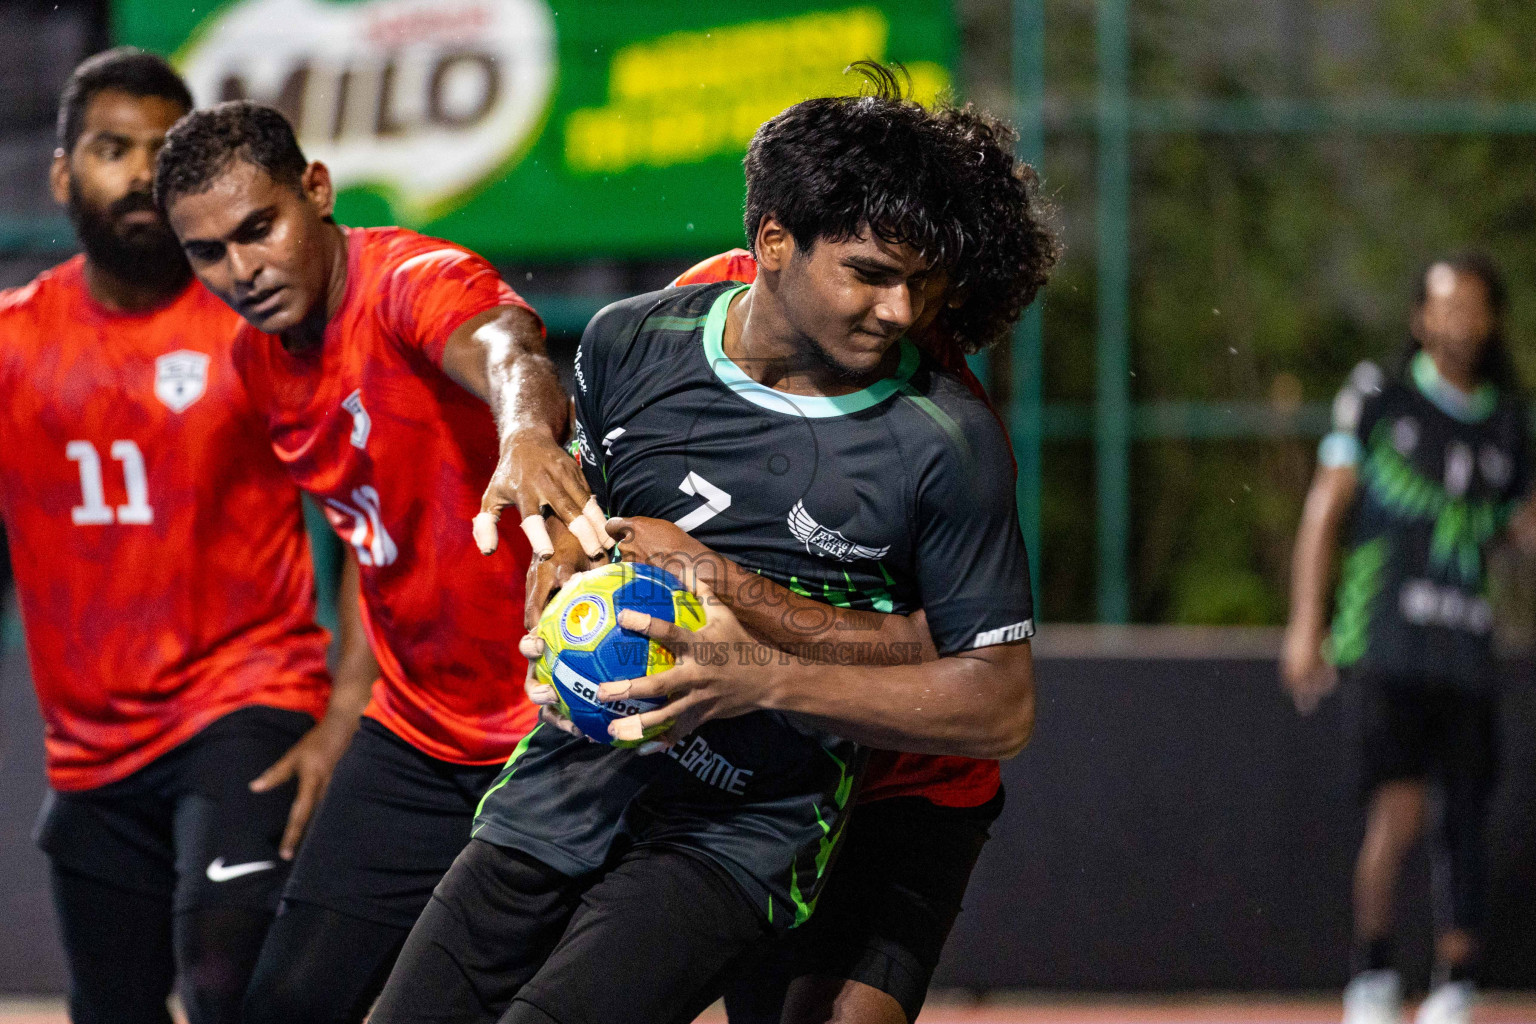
(1013, 249)
(200, 146)
(944, 181)
(124, 69)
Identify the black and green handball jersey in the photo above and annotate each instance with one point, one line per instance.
(1440, 473)
(893, 498)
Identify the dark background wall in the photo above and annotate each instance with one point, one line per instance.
(1173, 826)
(30, 960)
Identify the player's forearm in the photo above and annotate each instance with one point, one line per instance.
(813, 630)
(351, 687)
(773, 613)
(525, 391)
(1312, 561)
(499, 356)
(356, 668)
(972, 705)
(527, 399)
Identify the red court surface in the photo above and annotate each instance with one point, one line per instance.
(1495, 1009)
(1215, 1009)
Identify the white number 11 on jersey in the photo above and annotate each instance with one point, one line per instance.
(93, 509)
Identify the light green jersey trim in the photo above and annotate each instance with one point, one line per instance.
(816, 406)
(1448, 398)
(945, 422)
(1360, 582)
(829, 841)
(1340, 450)
(509, 768)
(674, 323)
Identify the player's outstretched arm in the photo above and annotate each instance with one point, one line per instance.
(314, 757)
(1307, 676)
(499, 356)
(814, 630)
(977, 703)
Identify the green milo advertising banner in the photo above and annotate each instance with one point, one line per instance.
(539, 129)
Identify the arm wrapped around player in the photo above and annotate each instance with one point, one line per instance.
(757, 622)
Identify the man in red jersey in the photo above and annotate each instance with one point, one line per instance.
(868, 952)
(373, 354)
(165, 586)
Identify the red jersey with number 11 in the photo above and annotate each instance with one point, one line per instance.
(398, 454)
(159, 549)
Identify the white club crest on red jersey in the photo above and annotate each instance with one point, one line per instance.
(181, 377)
(362, 423)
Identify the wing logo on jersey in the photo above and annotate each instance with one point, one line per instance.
(829, 542)
(361, 526)
(181, 377)
(362, 423)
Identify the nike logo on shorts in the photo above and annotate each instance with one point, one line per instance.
(218, 872)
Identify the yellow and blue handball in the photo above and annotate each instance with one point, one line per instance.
(584, 645)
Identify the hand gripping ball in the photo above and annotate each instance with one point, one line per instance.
(584, 645)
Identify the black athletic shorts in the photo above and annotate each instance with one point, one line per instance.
(1418, 729)
(186, 826)
(650, 939)
(391, 823)
(889, 903)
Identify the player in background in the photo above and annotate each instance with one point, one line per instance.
(606, 885)
(1426, 465)
(377, 357)
(165, 587)
(921, 820)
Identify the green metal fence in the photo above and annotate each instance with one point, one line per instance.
(1112, 119)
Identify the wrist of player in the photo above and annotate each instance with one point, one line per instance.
(519, 434)
(772, 685)
(1310, 617)
(537, 475)
(1304, 637)
(338, 724)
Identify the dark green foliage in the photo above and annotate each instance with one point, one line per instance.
(1264, 266)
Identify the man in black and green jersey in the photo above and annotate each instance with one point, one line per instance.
(1431, 463)
(1442, 471)
(790, 427)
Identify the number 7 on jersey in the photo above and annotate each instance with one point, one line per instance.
(715, 502)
